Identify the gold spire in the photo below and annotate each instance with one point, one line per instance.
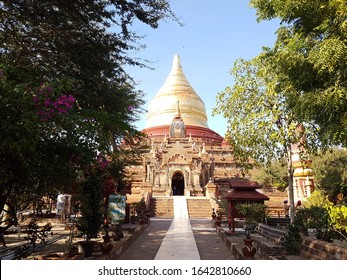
(178, 112)
(162, 108)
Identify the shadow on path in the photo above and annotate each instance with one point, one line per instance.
(145, 247)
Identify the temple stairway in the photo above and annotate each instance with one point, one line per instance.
(198, 207)
(162, 207)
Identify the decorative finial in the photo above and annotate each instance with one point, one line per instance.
(178, 112)
(177, 60)
(203, 148)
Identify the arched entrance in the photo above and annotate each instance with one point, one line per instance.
(177, 184)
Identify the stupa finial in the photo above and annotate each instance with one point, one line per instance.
(178, 111)
(177, 61)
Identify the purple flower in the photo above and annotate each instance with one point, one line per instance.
(71, 99)
(47, 102)
(36, 99)
(62, 110)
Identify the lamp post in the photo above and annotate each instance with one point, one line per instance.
(248, 250)
(248, 230)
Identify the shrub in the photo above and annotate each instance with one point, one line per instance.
(292, 241)
(91, 206)
(253, 213)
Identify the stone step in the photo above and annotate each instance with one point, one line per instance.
(199, 208)
(162, 207)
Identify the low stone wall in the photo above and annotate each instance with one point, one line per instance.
(315, 249)
(311, 248)
(268, 240)
(266, 248)
(233, 247)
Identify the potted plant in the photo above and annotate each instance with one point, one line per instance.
(89, 224)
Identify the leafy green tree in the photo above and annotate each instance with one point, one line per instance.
(311, 55)
(316, 218)
(91, 207)
(260, 125)
(329, 220)
(274, 175)
(338, 220)
(330, 170)
(317, 199)
(65, 94)
(292, 241)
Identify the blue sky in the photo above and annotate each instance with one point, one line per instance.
(214, 35)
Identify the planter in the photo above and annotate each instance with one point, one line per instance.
(248, 251)
(86, 248)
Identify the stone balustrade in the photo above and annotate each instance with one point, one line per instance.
(268, 240)
(275, 235)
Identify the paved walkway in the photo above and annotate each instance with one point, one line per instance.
(178, 238)
(179, 242)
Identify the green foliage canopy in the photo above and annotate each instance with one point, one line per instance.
(274, 175)
(330, 170)
(311, 55)
(54, 51)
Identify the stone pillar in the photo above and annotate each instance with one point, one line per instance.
(211, 190)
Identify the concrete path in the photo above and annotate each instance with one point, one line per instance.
(179, 242)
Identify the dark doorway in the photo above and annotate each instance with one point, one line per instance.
(177, 184)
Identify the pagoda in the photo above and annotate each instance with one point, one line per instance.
(185, 156)
(163, 107)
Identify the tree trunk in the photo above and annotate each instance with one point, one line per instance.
(290, 186)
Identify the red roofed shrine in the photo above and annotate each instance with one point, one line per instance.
(242, 191)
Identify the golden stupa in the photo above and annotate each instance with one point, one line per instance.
(162, 108)
(176, 88)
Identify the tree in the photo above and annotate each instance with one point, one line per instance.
(274, 175)
(65, 95)
(329, 220)
(260, 125)
(91, 206)
(330, 170)
(311, 55)
(318, 199)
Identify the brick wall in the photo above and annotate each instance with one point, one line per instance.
(315, 249)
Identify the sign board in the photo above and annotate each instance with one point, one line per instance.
(116, 208)
(64, 204)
